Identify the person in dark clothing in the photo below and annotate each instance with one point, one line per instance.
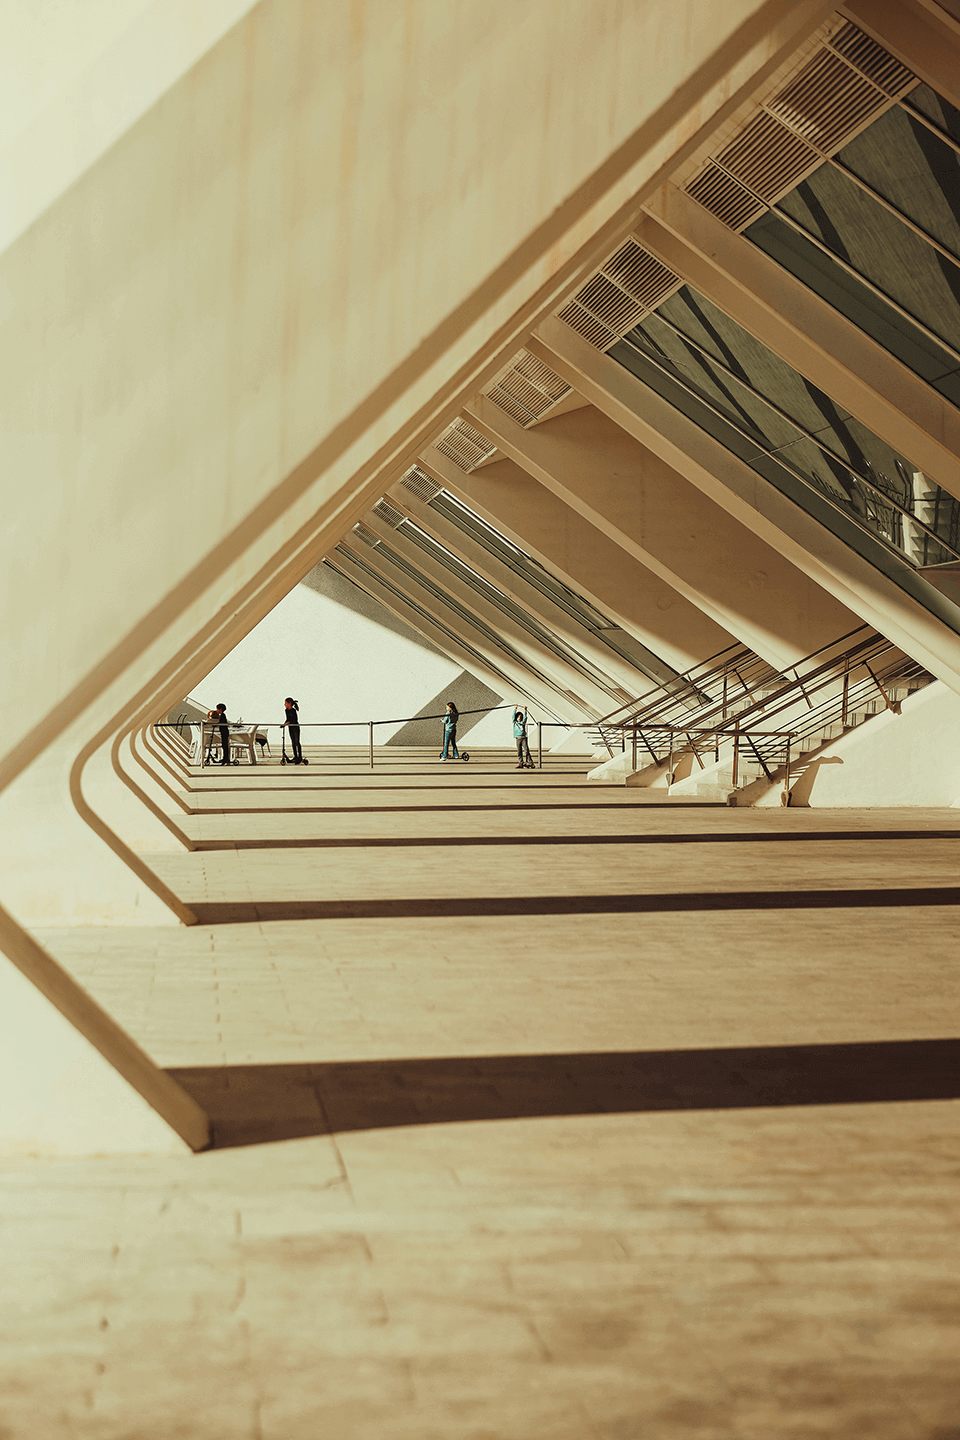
(209, 732)
(224, 734)
(291, 709)
(450, 732)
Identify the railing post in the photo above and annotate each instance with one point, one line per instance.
(786, 778)
(539, 744)
(670, 764)
(724, 696)
(634, 745)
(371, 744)
(736, 753)
(846, 689)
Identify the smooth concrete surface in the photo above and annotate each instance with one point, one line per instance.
(237, 350)
(60, 1096)
(341, 661)
(665, 1150)
(672, 528)
(908, 759)
(584, 557)
(215, 361)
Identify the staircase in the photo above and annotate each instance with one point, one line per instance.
(740, 727)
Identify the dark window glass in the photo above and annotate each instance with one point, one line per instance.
(940, 111)
(901, 159)
(877, 245)
(860, 305)
(787, 429)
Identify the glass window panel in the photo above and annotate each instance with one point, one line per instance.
(780, 384)
(861, 306)
(880, 247)
(940, 111)
(901, 159)
(860, 518)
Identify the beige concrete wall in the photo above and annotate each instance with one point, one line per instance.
(620, 486)
(267, 292)
(76, 76)
(539, 521)
(259, 284)
(340, 663)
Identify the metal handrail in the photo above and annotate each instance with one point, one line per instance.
(772, 747)
(723, 706)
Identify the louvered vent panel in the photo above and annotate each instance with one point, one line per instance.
(552, 385)
(528, 389)
(725, 197)
(588, 326)
(609, 303)
(768, 158)
(845, 85)
(465, 446)
(631, 284)
(367, 536)
(642, 275)
(389, 513)
(421, 484)
(872, 60)
(827, 101)
(521, 400)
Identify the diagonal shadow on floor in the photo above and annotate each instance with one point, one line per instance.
(238, 912)
(258, 1104)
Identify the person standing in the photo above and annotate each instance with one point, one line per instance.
(291, 710)
(524, 758)
(450, 732)
(224, 724)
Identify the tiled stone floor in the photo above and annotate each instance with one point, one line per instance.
(693, 1260)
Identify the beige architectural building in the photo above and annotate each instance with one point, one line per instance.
(596, 358)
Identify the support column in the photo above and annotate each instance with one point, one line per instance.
(478, 636)
(806, 332)
(855, 584)
(563, 622)
(636, 497)
(598, 690)
(344, 561)
(584, 556)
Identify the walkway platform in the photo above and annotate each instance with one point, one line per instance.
(571, 1116)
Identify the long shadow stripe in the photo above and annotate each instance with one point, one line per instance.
(379, 842)
(256, 1104)
(225, 912)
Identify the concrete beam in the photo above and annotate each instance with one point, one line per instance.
(540, 656)
(549, 613)
(515, 668)
(345, 561)
(584, 556)
(926, 40)
(855, 584)
(629, 491)
(807, 333)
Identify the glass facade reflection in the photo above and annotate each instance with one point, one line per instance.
(876, 233)
(758, 405)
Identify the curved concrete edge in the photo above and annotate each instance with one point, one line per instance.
(72, 1081)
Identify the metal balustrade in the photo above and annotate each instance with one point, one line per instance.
(841, 685)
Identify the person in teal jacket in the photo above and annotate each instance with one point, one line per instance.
(450, 732)
(524, 758)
